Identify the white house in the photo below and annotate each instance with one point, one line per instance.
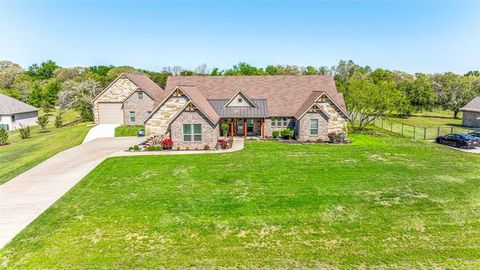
(14, 113)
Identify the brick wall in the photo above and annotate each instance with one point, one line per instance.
(141, 107)
(304, 127)
(210, 133)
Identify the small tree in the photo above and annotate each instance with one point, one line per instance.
(59, 120)
(3, 136)
(225, 127)
(43, 121)
(24, 132)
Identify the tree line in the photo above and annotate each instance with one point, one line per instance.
(368, 93)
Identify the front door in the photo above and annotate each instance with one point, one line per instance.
(250, 126)
(239, 127)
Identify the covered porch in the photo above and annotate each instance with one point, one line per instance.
(244, 127)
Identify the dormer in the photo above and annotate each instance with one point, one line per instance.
(240, 100)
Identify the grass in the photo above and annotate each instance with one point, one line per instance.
(436, 118)
(123, 131)
(425, 125)
(20, 155)
(381, 202)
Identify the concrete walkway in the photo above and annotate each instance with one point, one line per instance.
(26, 196)
(101, 131)
(237, 145)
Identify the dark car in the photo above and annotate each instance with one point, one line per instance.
(458, 140)
(474, 134)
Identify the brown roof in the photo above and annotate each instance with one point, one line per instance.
(472, 106)
(146, 84)
(285, 94)
(200, 101)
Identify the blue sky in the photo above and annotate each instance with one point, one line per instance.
(415, 36)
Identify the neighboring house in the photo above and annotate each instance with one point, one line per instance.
(15, 114)
(196, 106)
(471, 113)
(128, 100)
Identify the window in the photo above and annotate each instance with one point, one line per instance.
(13, 118)
(313, 126)
(285, 123)
(140, 95)
(189, 132)
(197, 132)
(132, 117)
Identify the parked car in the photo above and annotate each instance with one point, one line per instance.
(475, 134)
(458, 140)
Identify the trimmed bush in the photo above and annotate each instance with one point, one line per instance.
(206, 147)
(154, 148)
(24, 132)
(3, 136)
(275, 134)
(136, 148)
(287, 133)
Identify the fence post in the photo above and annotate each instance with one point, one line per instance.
(414, 129)
(451, 130)
(438, 131)
(424, 133)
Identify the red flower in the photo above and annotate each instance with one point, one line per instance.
(167, 144)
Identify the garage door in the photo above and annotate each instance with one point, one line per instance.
(110, 113)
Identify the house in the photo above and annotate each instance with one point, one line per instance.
(128, 100)
(195, 107)
(15, 114)
(471, 113)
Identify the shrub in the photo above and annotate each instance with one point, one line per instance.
(136, 148)
(130, 148)
(206, 147)
(58, 121)
(223, 144)
(24, 132)
(167, 144)
(275, 134)
(287, 133)
(42, 121)
(332, 137)
(154, 148)
(3, 136)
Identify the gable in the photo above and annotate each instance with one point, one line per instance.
(118, 90)
(240, 100)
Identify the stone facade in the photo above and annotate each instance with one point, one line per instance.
(210, 132)
(142, 108)
(337, 122)
(159, 121)
(303, 127)
(117, 92)
(471, 119)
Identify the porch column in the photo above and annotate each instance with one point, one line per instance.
(231, 129)
(262, 128)
(245, 128)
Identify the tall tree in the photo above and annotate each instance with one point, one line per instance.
(454, 91)
(419, 92)
(79, 96)
(43, 71)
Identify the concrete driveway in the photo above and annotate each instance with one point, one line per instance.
(26, 196)
(101, 131)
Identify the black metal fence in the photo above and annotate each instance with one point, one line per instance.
(418, 132)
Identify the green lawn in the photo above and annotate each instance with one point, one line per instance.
(20, 155)
(123, 131)
(382, 202)
(435, 118)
